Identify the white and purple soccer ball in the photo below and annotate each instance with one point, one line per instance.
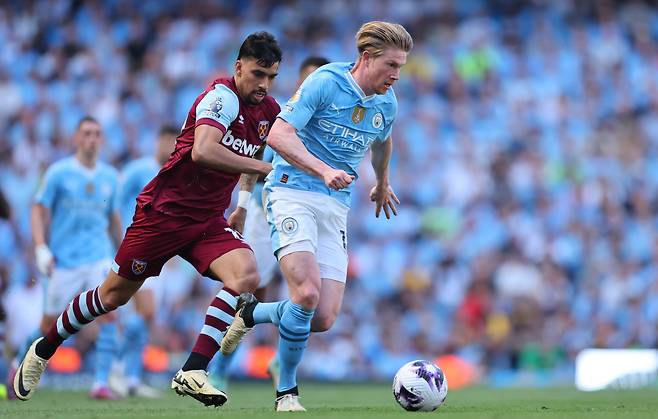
(420, 386)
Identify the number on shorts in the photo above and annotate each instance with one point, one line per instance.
(235, 233)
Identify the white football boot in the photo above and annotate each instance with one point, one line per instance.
(29, 373)
(195, 383)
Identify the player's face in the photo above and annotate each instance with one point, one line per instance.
(89, 138)
(253, 80)
(166, 145)
(305, 72)
(383, 71)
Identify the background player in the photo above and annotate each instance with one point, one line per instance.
(138, 321)
(180, 212)
(75, 217)
(249, 218)
(320, 138)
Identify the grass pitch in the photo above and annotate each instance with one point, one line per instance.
(347, 401)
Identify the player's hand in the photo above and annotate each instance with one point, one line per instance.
(266, 168)
(337, 179)
(237, 218)
(384, 198)
(45, 259)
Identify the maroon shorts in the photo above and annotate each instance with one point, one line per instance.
(153, 238)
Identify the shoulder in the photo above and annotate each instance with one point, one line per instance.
(221, 91)
(64, 165)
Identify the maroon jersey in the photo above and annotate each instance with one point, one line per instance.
(187, 189)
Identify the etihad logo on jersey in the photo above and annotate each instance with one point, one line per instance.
(346, 133)
(239, 145)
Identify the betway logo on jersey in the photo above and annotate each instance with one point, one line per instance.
(346, 133)
(239, 145)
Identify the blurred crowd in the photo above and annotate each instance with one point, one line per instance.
(526, 160)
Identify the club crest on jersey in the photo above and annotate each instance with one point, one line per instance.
(139, 266)
(296, 96)
(358, 114)
(377, 120)
(263, 127)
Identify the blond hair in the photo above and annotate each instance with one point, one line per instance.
(376, 36)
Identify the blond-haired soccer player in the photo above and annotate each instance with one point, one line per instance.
(320, 138)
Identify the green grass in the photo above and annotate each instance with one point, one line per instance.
(348, 401)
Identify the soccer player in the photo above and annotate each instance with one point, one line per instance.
(75, 217)
(136, 322)
(249, 218)
(320, 137)
(181, 212)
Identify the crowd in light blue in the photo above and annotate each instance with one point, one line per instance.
(526, 160)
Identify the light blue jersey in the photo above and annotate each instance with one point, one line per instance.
(134, 177)
(80, 201)
(337, 123)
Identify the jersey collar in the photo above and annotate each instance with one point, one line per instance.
(356, 87)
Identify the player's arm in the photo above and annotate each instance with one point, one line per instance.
(40, 219)
(207, 151)
(247, 182)
(284, 140)
(382, 194)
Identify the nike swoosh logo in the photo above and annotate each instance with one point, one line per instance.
(22, 392)
(197, 383)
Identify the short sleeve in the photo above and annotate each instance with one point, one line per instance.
(310, 96)
(388, 122)
(219, 108)
(47, 190)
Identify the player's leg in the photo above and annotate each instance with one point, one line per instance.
(255, 226)
(236, 267)
(136, 333)
(86, 307)
(302, 274)
(107, 339)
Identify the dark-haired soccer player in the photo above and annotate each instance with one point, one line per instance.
(181, 212)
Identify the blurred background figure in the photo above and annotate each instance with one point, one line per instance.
(137, 319)
(75, 228)
(526, 160)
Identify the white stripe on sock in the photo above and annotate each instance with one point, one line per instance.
(228, 298)
(83, 306)
(60, 328)
(220, 314)
(72, 319)
(213, 333)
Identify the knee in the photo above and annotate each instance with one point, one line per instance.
(307, 296)
(322, 322)
(247, 280)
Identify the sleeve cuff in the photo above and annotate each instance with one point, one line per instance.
(211, 122)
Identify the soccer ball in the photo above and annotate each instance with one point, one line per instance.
(420, 386)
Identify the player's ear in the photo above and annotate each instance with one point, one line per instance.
(366, 57)
(238, 68)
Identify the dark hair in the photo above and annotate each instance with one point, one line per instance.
(86, 118)
(313, 61)
(263, 47)
(168, 130)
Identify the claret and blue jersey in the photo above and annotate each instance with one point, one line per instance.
(337, 123)
(80, 201)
